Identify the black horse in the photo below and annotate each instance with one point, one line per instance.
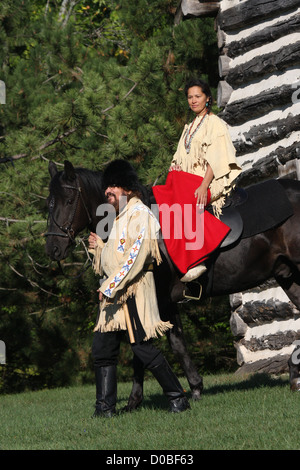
(75, 195)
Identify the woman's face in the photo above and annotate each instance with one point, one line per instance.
(197, 99)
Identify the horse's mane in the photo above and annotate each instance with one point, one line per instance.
(91, 180)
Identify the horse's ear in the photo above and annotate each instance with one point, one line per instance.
(69, 171)
(52, 169)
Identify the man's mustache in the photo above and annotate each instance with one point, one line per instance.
(107, 195)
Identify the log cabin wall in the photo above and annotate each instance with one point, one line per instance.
(259, 97)
(259, 89)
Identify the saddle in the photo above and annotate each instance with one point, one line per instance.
(255, 209)
(231, 217)
(247, 212)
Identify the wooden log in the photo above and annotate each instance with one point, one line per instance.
(284, 154)
(274, 365)
(252, 12)
(242, 110)
(237, 325)
(199, 8)
(224, 65)
(285, 57)
(258, 313)
(290, 168)
(223, 93)
(261, 37)
(266, 134)
(273, 342)
(221, 37)
(269, 284)
(235, 300)
(245, 356)
(267, 167)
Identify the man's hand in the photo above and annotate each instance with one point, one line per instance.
(102, 296)
(93, 240)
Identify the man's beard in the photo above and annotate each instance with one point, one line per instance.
(116, 202)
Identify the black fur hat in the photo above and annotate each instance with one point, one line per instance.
(122, 174)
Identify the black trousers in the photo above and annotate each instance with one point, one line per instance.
(106, 348)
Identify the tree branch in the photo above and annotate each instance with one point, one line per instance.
(7, 220)
(32, 283)
(42, 147)
(67, 133)
(64, 13)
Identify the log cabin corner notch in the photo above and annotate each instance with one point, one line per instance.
(195, 8)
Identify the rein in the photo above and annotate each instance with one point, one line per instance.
(68, 231)
(86, 265)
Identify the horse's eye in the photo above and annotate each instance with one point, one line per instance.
(70, 202)
(51, 203)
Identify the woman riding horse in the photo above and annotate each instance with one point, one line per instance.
(203, 170)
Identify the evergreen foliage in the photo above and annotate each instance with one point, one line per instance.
(87, 81)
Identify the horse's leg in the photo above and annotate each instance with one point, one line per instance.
(136, 395)
(288, 277)
(177, 342)
(169, 290)
(294, 362)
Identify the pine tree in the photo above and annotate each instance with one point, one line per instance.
(86, 82)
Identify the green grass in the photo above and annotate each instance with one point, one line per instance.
(254, 413)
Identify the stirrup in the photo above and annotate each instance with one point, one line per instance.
(191, 297)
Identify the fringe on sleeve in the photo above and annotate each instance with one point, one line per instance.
(96, 252)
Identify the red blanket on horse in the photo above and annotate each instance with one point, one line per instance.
(190, 234)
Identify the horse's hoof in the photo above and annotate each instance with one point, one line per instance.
(295, 385)
(196, 395)
(197, 392)
(133, 404)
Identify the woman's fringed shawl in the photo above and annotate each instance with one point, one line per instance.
(211, 145)
(125, 259)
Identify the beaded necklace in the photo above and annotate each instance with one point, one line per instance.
(189, 137)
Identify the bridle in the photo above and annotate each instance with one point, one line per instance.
(66, 229)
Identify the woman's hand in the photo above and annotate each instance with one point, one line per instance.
(201, 195)
(175, 168)
(201, 191)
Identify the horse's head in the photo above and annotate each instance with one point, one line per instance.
(69, 213)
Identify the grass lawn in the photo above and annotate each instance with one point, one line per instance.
(250, 413)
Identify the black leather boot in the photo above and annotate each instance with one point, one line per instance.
(171, 387)
(106, 391)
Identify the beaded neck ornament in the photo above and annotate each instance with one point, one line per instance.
(189, 135)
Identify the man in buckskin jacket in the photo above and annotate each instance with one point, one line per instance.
(127, 294)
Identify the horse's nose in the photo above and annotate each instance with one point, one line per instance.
(57, 249)
(54, 252)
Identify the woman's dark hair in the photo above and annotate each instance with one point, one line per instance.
(204, 87)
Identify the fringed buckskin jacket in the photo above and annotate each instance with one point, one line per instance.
(211, 144)
(125, 258)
